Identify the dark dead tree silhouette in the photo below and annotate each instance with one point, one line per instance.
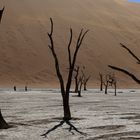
(125, 71)
(106, 82)
(80, 84)
(110, 80)
(76, 70)
(113, 82)
(26, 88)
(85, 79)
(101, 81)
(15, 88)
(65, 90)
(82, 81)
(3, 123)
(131, 53)
(78, 79)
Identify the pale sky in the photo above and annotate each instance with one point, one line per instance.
(134, 0)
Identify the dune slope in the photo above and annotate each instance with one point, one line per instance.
(26, 59)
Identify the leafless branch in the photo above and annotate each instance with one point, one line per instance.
(69, 44)
(126, 72)
(79, 42)
(51, 47)
(132, 54)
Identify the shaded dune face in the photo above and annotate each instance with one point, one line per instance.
(25, 57)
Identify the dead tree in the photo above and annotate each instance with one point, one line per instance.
(85, 78)
(110, 80)
(106, 82)
(76, 70)
(65, 90)
(15, 88)
(101, 82)
(3, 123)
(26, 89)
(113, 82)
(125, 71)
(80, 83)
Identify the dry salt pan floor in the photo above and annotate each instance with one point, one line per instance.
(102, 117)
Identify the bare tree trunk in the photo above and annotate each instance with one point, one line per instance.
(115, 89)
(66, 107)
(101, 82)
(15, 88)
(85, 86)
(80, 89)
(79, 93)
(76, 78)
(76, 85)
(85, 82)
(106, 86)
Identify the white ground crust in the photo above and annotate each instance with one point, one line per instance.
(102, 117)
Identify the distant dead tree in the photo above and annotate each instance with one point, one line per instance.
(80, 83)
(106, 82)
(101, 81)
(65, 90)
(85, 78)
(76, 70)
(26, 89)
(109, 80)
(3, 123)
(125, 71)
(80, 79)
(15, 88)
(113, 82)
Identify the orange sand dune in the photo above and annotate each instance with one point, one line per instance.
(26, 59)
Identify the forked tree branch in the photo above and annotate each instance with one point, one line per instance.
(51, 46)
(132, 54)
(69, 45)
(126, 72)
(78, 44)
(82, 37)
